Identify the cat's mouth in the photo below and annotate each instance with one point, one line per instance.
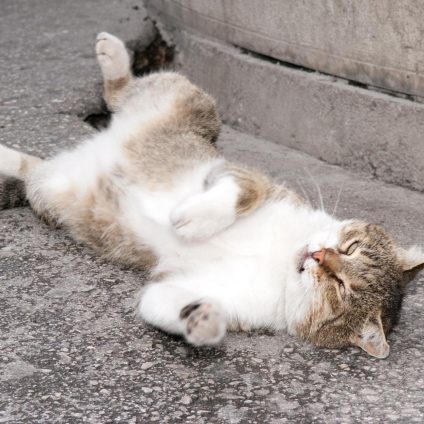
(303, 256)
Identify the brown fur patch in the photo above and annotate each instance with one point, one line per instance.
(93, 219)
(97, 225)
(255, 187)
(113, 91)
(175, 142)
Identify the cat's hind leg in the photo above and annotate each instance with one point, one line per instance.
(114, 62)
(180, 311)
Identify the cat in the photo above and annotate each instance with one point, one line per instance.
(227, 248)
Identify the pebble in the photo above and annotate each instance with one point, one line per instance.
(147, 365)
(186, 400)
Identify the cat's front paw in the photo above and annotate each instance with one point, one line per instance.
(195, 219)
(112, 56)
(205, 324)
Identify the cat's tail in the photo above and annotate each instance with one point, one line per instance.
(14, 167)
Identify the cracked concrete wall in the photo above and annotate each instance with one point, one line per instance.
(325, 116)
(376, 42)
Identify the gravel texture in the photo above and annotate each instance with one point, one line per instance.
(71, 349)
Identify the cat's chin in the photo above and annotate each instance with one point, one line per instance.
(301, 258)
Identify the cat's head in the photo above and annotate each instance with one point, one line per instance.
(353, 283)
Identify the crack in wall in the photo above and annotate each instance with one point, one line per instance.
(334, 78)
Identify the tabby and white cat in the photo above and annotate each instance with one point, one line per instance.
(227, 248)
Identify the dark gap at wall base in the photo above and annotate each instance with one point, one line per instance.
(354, 83)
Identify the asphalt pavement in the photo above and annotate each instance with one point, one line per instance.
(71, 349)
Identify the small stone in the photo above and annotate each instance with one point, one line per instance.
(64, 358)
(110, 280)
(86, 289)
(6, 252)
(147, 365)
(186, 400)
(147, 390)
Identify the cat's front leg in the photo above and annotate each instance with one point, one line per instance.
(204, 323)
(176, 310)
(231, 191)
(205, 214)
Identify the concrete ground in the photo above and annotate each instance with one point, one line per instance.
(71, 349)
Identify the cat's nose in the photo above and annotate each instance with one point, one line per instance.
(319, 256)
(328, 257)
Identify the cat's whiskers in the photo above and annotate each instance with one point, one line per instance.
(338, 199)
(321, 200)
(305, 194)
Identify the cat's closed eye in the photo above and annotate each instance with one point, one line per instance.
(352, 248)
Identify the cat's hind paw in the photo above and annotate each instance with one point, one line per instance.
(112, 56)
(205, 324)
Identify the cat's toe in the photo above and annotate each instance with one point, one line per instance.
(205, 324)
(192, 221)
(110, 39)
(104, 36)
(112, 56)
(189, 228)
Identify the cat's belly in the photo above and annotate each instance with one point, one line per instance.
(147, 212)
(240, 268)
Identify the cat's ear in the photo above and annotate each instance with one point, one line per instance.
(412, 262)
(372, 339)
